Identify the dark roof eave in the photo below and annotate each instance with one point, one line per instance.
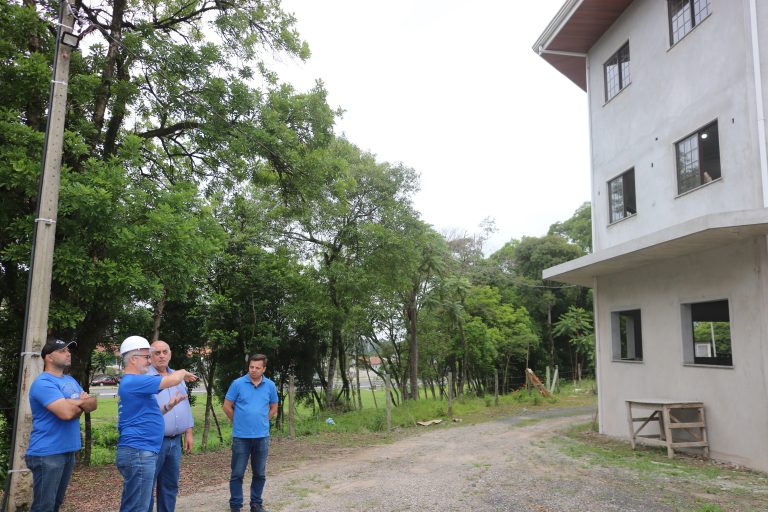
(576, 27)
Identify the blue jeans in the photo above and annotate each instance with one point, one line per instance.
(167, 475)
(243, 448)
(50, 477)
(138, 470)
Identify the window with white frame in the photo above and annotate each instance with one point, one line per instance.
(698, 158)
(684, 15)
(626, 335)
(621, 196)
(707, 333)
(617, 75)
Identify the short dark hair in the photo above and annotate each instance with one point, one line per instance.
(257, 357)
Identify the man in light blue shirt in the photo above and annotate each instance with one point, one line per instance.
(250, 403)
(177, 416)
(57, 401)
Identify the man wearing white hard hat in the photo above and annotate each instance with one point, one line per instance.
(140, 423)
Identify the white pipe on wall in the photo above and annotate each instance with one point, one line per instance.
(757, 70)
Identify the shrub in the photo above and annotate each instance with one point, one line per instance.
(105, 435)
(377, 423)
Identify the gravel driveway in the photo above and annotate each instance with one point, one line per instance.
(505, 465)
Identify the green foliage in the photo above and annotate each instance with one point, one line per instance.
(577, 229)
(105, 435)
(576, 325)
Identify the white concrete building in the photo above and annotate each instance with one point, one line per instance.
(677, 93)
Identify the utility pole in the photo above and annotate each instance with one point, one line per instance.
(19, 496)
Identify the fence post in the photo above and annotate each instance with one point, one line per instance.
(291, 406)
(387, 390)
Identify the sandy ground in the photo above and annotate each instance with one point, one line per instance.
(505, 465)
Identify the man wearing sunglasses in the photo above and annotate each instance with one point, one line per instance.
(140, 422)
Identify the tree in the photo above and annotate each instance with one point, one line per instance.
(338, 223)
(576, 325)
(577, 229)
(161, 117)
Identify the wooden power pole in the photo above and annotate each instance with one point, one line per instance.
(19, 496)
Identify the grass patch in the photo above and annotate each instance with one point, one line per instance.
(724, 486)
(357, 427)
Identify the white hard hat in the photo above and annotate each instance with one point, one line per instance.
(133, 343)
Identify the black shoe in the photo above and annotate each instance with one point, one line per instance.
(258, 508)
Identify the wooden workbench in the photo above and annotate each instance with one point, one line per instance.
(666, 413)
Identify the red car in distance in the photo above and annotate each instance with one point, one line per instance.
(104, 380)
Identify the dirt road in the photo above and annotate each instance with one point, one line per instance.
(505, 465)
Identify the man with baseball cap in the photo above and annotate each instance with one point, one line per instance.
(140, 423)
(57, 401)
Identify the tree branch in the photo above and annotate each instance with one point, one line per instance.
(170, 130)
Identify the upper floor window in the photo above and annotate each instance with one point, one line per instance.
(707, 333)
(684, 15)
(621, 196)
(698, 158)
(617, 74)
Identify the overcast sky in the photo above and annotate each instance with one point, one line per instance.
(454, 90)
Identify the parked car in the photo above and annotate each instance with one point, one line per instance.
(104, 380)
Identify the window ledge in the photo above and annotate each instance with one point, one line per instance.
(718, 366)
(630, 361)
(694, 189)
(674, 45)
(606, 102)
(630, 216)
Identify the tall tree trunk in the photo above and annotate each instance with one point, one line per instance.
(157, 314)
(118, 109)
(413, 347)
(357, 378)
(335, 339)
(34, 113)
(92, 331)
(373, 391)
(208, 374)
(108, 72)
(335, 342)
(464, 356)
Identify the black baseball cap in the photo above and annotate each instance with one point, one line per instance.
(53, 345)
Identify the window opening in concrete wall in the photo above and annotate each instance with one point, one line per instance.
(684, 15)
(621, 196)
(698, 158)
(617, 75)
(707, 333)
(627, 335)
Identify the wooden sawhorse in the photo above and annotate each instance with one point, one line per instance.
(662, 411)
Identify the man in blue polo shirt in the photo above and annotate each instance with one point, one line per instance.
(140, 423)
(250, 403)
(57, 401)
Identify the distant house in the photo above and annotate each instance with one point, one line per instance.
(374, 362)
(677, 95)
